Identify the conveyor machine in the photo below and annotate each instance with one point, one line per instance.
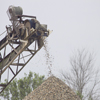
(24, 31)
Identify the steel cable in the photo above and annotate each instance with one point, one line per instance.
(2, 33)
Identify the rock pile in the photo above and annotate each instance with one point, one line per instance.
(52, 89)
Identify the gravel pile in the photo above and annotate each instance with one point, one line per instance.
(52, 89)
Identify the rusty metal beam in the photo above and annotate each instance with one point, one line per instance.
(11, 70)
(26, 16)
(22, 65)
(11, 56)
(19, 64)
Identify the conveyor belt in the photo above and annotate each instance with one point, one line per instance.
(6, 61)
(9, 59)
(21, 34)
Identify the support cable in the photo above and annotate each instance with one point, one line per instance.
(2, 33)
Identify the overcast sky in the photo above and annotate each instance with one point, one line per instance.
(75, 25)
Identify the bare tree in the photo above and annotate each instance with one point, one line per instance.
(83, 77)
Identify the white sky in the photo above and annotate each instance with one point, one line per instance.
(75, 25)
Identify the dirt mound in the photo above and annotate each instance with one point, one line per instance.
(52, 89)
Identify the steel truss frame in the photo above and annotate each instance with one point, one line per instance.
(17, 63)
